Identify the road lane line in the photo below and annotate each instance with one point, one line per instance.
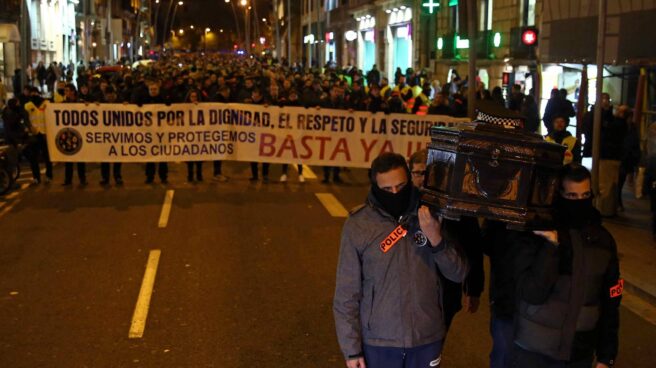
(331, 204)
(307, 172)
(11, 195)
(9, 207)
(166, 209)
(640, 307)
(143, 302)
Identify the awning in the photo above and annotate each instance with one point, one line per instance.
(9, 33)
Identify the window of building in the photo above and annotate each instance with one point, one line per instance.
(527, 12)
(485, 19)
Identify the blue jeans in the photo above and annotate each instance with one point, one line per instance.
(501, 330)
(425, 356)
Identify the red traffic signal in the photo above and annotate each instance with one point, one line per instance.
(530, 37)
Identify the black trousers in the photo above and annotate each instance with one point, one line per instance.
(199, 170)
(328, 169)
(526, 359)
(217, 167)
(161, 168)
(35, 150)
(105, 168)
(265, 170)
(81, 172)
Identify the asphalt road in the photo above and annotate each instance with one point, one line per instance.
(245, 277)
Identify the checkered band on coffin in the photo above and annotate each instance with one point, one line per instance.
(509, 123)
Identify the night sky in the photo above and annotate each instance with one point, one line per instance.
(215, 13)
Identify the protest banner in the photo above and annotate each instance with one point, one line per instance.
(240, 132)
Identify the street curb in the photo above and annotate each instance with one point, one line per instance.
(639, 292)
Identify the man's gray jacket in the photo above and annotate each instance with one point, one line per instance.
(391, 298)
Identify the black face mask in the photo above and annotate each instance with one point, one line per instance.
(60, 91)
(37, 100)
(574, 213)
(394, 204)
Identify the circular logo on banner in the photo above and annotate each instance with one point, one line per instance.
(68, 141)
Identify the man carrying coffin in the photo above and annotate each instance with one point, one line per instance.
(387, 304)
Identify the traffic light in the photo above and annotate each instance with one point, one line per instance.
(530, 36)
(523, 42)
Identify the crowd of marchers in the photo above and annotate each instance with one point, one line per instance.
(224, 78)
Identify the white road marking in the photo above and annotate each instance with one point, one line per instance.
(143, 302)
(332, 205)
(28, 173)
(640, 307)
(12, 195)
(307, 172)
(166, 209)
(9, 207)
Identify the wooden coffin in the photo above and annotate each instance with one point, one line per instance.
(500, 173)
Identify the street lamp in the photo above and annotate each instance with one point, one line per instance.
(247, 25)
(207, 30)
(175, 9)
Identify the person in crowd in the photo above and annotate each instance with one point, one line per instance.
(70, 95)
(154, 96)
(376, 259)
(194, 98)
(422, 102)
(531, 113)
(497, 96)
(335, 101)
(631, 152)
(373, 76)
(558, 105)
(469, 236)
(613, 132)
(516, 98)
(258, 99)
(440, 104)
(568, 285)
(404, 90)
(37, 146)
(109, 97)
(561, 135)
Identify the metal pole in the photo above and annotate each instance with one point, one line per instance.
(289, 32)
(156, 28)
(166, 22)
(471, 30)
(276, 54)
(24, 48)
(596, 136)
(87, 32)
(234, 13)
(248, 29)
(175, 9)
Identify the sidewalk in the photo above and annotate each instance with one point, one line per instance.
(636, 248)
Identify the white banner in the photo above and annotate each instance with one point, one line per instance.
(215, 131)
